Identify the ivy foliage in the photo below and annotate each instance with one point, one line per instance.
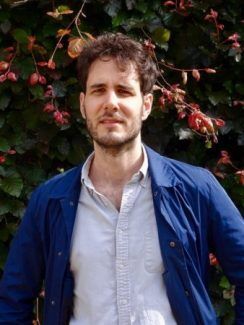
(34, 144)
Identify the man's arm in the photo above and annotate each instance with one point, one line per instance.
(23, 273)
(227, 238)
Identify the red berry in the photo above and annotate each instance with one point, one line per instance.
(33, 79)
(42, 80)
(12, 76)
(4, 65)
(2, 159)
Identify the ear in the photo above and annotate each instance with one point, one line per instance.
(82, 107)
(147, 106)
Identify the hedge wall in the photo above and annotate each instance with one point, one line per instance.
(198, 110)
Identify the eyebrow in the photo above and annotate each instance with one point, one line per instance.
(99, 85)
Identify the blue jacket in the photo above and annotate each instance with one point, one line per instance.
(194, 216)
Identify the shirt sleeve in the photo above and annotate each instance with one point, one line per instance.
(227, 238)
(23, 272)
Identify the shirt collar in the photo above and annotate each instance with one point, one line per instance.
(141, 175)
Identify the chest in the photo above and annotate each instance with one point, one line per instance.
(113, 194)
(103, 234)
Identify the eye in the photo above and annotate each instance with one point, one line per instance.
(97, 91)
(124, 92)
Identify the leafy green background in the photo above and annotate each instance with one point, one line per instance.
(44, 148)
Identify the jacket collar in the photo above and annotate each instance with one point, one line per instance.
(68, 190)
(160, 171)
(67, 185)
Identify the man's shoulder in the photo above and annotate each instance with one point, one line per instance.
(61, 184)
(178, 171)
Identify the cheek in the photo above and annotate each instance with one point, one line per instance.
(93, 103)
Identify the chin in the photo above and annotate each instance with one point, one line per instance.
(112, 142)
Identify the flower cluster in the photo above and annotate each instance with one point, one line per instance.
(180, 7)
(198, 121)
(234, 39)
(225, 161)
(4, 155)
(213, 260)
(6, 72)
(61, 117)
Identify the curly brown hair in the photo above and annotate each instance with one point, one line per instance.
(123, 49)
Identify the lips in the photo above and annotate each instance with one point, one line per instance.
(106, 121)
(110, 120)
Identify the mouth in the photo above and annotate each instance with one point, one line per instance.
(110, 121)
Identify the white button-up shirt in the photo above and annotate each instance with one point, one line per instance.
(116, 258)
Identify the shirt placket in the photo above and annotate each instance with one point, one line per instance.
(122, 253)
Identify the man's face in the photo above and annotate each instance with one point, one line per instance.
(113, 104)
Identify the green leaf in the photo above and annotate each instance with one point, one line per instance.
(240, 88)
(59, 89)
(208, 144)
(12, 227)
(26, 67)
(113, 7)
(3, 255)
(2, 171)
(63, 146)
(4, 208)
(240, 140)
(141, 6)
(219, 97)
(49, 29)
(31, 117)
(130, 4)
(4, 102)
(71, 81)
(4, 15)
(63, 8)
(2, 120)
(20, 35)
(5, 26)
(13, 206)
(33, 175)
(17, 89)
(161, 35)
(4, 234)
(119, 19)
(17, 208)
(228, 85)
(37, 91)
(224, 283)
(4, 146)
(12, 184)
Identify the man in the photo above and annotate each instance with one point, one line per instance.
(125, 238)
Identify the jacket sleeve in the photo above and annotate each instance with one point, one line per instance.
(227, 238)
(23, 272)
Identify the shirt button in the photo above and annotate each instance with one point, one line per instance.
(155, 193)
(123, 301)
(187, 293)
(172, 244)
(71, 203)
(52, 302)
(121, 266)
(59, 253)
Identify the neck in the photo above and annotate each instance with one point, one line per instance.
(115, 166)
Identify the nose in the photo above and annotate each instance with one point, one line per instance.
(111, 101)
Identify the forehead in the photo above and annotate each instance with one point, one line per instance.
(108, 69)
